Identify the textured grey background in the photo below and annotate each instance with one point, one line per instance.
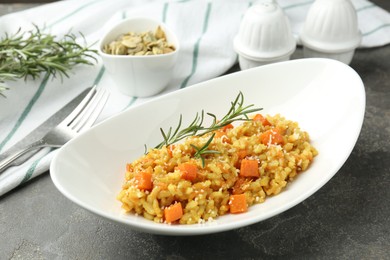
(349, 218)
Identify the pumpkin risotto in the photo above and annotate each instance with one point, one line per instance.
(244, 165)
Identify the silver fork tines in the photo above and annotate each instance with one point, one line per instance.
(88, 112)
(80, 119)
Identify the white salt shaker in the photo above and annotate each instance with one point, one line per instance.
(264, 36)
(331, 30)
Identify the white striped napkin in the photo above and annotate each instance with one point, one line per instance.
(205, 30)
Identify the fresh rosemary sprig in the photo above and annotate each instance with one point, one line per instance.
(192, 129)
(31, 53)
(237, 112)
(200, 151)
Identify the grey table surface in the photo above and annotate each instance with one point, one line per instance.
(349, 218)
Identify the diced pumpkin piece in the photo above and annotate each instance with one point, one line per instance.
(173, 212)
(262, 119)
(188, 171)
(272, 136)
(144, 181)
(249, 168)
(237, 203)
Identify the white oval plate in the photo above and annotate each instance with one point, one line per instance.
(325, 97)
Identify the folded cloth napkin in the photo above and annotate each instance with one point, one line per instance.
(205, 29)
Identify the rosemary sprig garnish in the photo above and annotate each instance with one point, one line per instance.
(29, 54)
(237, 112)
(201, 151)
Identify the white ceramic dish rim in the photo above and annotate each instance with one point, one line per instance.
(215, 226)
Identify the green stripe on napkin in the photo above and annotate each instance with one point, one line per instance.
(26, 111)
(196, 47)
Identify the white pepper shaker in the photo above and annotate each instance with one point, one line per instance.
(331, 30)
(264, 36)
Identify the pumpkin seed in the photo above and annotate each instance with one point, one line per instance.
(140, 44)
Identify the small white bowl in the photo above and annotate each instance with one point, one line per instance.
(264, 36)
(331, 30)
(139, 76)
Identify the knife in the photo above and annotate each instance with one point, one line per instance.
(45, 127)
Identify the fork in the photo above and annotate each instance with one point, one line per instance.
(80, 119)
